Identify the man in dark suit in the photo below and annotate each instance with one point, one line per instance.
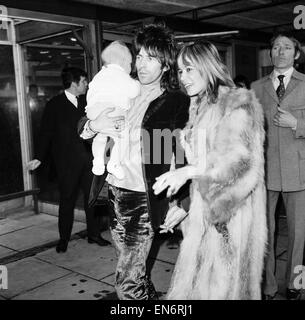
(72, 156)
(282, 94)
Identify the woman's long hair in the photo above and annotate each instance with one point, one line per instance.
(204, 56)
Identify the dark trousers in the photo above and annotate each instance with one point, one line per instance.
(69, 185)
(295, 211)
(132, 235)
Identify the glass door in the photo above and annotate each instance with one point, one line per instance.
(11, 176)
(34, 48)
(11, 170)
(44, 58)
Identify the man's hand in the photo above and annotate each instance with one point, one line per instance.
(106, 124)
(174, 216)
(284, 119)
(33, 164)
(174, 180)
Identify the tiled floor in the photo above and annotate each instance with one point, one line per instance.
(28, 230)
(85, 271)
(70, 287)
(4, 252)
(29, 273)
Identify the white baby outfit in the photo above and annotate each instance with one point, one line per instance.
(111, 87)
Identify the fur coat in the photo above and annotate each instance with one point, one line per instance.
(224, 235)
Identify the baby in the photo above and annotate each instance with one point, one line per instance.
(112, 86)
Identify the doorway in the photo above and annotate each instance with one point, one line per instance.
(33, 51)
(45, 54)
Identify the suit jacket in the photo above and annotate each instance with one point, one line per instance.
(169, 111)
(59, 132)
(285, 148)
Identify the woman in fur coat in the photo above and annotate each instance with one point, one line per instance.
(224, 232)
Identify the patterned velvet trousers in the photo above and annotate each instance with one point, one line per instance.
(132, 235)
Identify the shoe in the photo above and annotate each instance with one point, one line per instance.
(62, 246)
(293, 294)
(99, 240)
(269, 296)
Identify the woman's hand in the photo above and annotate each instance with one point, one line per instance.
(174, 216)
(174, 180)
(106, 124)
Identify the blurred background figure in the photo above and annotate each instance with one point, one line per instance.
(242, 81)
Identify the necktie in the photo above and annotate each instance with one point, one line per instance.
(280, 91)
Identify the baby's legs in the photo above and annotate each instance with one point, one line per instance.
(98, 150)
(120, 152)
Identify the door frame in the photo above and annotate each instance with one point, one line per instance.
(19, 67)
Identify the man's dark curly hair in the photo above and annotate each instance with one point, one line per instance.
(159, 42)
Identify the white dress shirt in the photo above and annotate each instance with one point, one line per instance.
(276, 81)
(71, 97)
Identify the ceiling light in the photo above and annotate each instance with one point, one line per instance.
(44, 51)
(210, 34)
(65, 53)
(73, 39)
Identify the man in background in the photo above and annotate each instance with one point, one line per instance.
(282, 94)
(72, 156)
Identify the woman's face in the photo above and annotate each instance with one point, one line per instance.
(190, 77)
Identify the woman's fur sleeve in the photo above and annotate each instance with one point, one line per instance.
(235, 161)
